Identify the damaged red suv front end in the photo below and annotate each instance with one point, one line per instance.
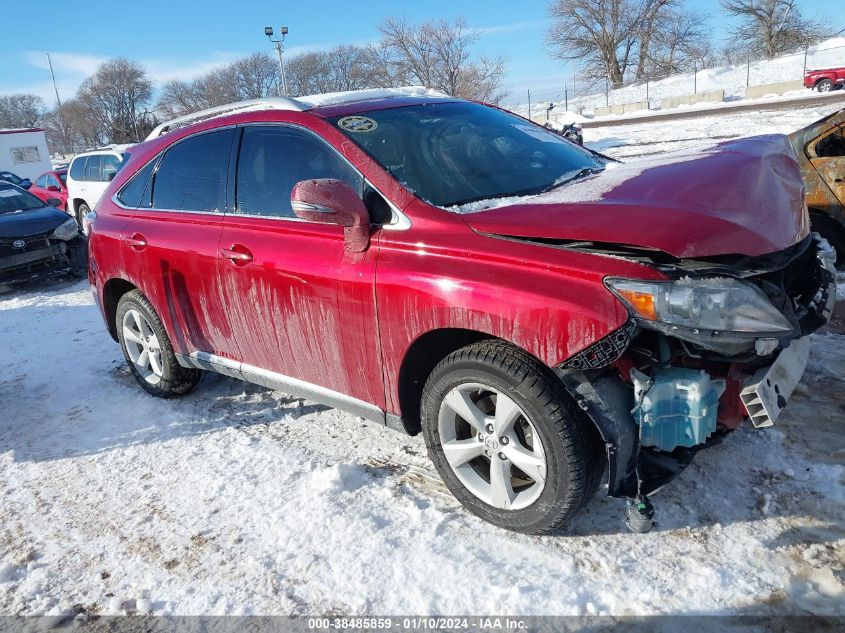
(536, 310)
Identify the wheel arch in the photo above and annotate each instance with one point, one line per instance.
(828, 225)
(113, 290)
(420, 359)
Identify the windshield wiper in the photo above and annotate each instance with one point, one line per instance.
(566, 178)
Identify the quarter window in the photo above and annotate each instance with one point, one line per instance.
(41, 181)
(136, 193)
(831, 145)
(192, 174)
(274, 158)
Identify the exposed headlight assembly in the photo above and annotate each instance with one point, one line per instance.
(708, 311)
(67, 230)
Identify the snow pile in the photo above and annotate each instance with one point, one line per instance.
(732, 79)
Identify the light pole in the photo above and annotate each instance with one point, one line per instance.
(280, 49)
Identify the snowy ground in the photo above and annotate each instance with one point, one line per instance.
(238, 500)
(645, 137)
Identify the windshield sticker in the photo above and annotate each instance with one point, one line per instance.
(9, 193)
(357, 124)
(539, 134)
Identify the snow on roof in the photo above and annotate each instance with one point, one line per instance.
(20, 130)
(299, 104)
(352, 96)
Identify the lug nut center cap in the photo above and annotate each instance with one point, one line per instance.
(491, 444)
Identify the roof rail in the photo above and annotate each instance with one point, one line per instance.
(269, 103)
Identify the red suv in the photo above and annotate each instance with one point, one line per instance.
(539, 312)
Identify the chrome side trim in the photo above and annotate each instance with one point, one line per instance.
(280, 382)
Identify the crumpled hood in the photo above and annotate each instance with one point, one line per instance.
(742, 197)
(26, 223)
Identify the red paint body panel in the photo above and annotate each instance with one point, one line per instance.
(42, 193)
(302, 306)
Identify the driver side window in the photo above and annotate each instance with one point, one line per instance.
(274, 158)
(831, 145)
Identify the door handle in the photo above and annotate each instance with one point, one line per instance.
(137, 242)
(237, 254)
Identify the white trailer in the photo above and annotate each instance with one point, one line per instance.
(24, 152)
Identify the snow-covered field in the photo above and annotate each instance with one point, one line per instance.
(238, 500)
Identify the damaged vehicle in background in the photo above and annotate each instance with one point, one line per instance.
(539, 313)
(820, 148)
(36, 239)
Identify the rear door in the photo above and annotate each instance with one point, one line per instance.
(301, 307)
(829, 161)
(172, 242)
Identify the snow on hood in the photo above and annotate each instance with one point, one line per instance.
(737, 197)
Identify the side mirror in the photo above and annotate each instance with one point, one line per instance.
(53, 188)
(330, 201)
(53, 202)
(26, 183)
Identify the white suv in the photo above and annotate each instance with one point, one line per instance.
(89, 174)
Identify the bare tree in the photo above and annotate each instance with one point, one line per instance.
(21, 110)
(773, 27)
(437, 54)
(681, 41)
(252, 77)
(117, 96)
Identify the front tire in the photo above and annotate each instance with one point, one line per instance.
(507, 439)
(824, 85)
(148, 351)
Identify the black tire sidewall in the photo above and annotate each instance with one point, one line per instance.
(173, 375)
(544, 511)
(81, 211)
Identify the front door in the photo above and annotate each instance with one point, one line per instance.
(301, 307)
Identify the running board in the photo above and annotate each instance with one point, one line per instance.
(280, 382)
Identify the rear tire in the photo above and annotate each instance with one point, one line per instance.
(148, 351)
(81, 211)
(824, 85)
(520, 432)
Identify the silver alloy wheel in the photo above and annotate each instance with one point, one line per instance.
(825, 86)
(492, 446)
(142, 346)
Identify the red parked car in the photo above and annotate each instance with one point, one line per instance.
(537, 311)
(51, 187)
(824, 80)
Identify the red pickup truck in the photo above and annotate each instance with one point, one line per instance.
(824, 80)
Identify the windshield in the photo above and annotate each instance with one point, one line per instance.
(10, 177)
(455, 153)
(13, 199)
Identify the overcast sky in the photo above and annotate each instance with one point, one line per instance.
(180, 39)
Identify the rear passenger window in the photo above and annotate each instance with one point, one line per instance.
(273, 159)
(41, 181)
(192, 174)
(92, 168)
(77, 168)
(136, 193)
